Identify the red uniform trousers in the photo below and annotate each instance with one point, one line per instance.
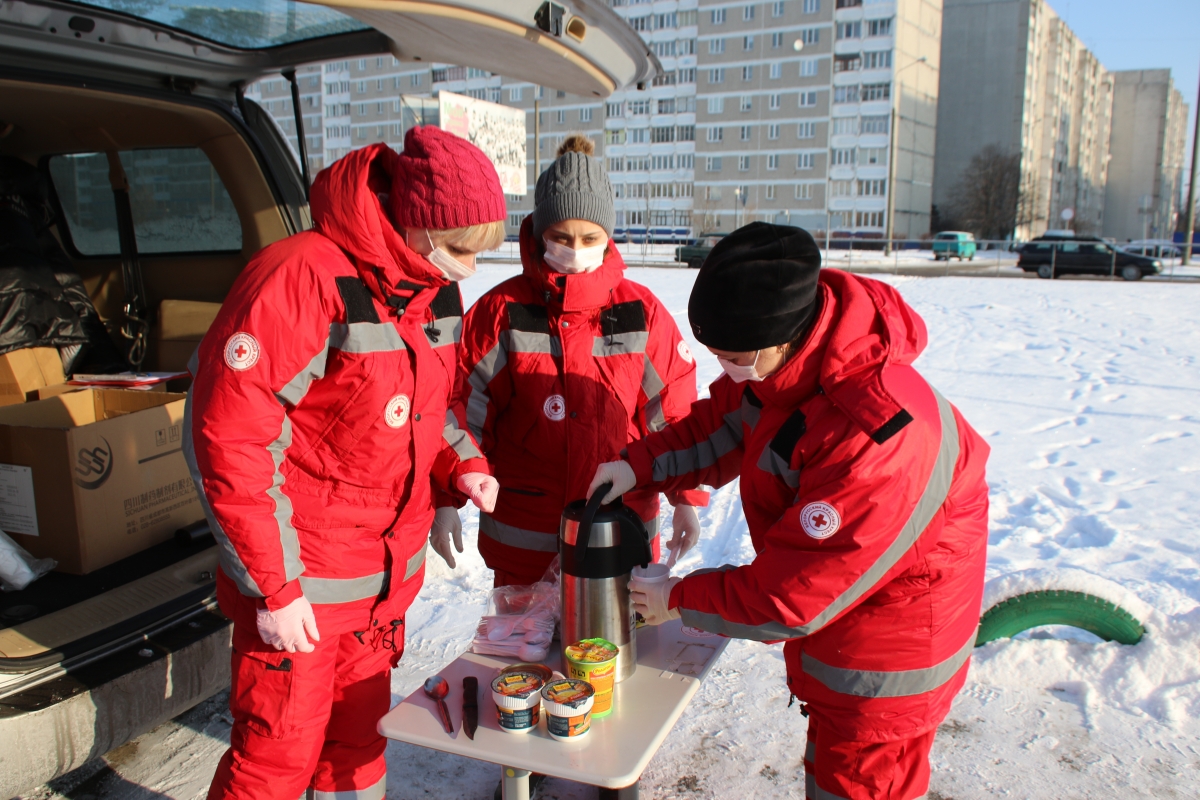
(837, 769)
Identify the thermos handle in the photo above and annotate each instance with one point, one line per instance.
(637, 548)
(584, 535)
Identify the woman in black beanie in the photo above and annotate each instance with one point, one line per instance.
(864, 494)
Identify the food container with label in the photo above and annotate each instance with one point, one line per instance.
(595, 661)
(568, 703)
(518, 698)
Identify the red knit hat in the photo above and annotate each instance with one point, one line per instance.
(443, 181)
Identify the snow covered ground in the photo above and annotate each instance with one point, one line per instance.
(1087, 392)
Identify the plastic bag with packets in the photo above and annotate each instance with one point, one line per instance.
(18, 568)
(520, 620)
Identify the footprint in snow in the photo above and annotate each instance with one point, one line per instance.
(1166, 437)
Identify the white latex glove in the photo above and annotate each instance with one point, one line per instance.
(650, 600)
(445, 523)
(685, 530)
(481, 488)
(284, 629)
(619, 474)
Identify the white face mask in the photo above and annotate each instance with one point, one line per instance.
(451, 268)
(570, 261)
(739, 373)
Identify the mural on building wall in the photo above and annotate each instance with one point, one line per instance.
(499, 131)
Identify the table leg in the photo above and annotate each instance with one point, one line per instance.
(514, 783)
(627, 793)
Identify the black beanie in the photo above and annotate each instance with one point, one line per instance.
(757, 288)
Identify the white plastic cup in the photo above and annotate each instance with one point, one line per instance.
(652, 573)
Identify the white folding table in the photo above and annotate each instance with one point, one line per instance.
(672, 662)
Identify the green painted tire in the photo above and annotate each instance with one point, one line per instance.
(1052, 607)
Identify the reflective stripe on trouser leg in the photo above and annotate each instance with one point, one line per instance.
(375, 792)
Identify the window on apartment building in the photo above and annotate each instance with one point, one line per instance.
(812, 6)
(585, 115)
(663, 134)
(851, 63)
(685, 47)
(613, 109)
(718, 16)
(515, 94)
(662, 190)
(716, 46)
(773, 131)
(777, 9)
(614, 136)
(748, 73)
(685, 161)
(664, 48)
(716, 75)
(639, 164)
(872, 188)
(494, 95)
(687, 133)
(639, 135)
(877, 124)
(379, 84)
(845, 94)
(809, 67)
(715, 134)
(774, 102)
(845, 125)
(776, 40)
(868, 219)
(614, 164)
(842, 157)
(439, 74)
(747, 13)
(803, 191)
(362, 63)
(849, 30)
(687, 18)
(745, 133)
(876, 91)
(361, 88)
(515, 220)
(872, 156)
(639, 108)
(560, 116)
(687, 75)
(879, 27)
(747, 42)
(662, 162)
(360, 133)
(645, 23)
(808, 99)
(773, 161)
(666, 105)
(712, 164)
(361, 110)
(841, 188)
(805, 161)
(769, 191)
(539, 92)
(776, 71)
(877, 59)
(746, 104)
(618, 191)
(716, 105)
(478, 94)
(668, 20)
(560, 94)
(810, 35)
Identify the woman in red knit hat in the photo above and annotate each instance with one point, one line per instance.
(319, 413)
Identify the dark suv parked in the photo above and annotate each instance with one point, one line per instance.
(1055, 256)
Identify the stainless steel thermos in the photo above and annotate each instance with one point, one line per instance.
(599, 545)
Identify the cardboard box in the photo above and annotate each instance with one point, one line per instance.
(24, 372)
(90, 477)
(180, 326)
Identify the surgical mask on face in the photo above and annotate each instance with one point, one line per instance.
(570, 261)
(739, 373)
(451, 268)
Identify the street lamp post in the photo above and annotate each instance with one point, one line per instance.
(891, 184)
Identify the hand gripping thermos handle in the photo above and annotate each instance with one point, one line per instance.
(584, 534)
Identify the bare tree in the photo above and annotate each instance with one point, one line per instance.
(987, 199)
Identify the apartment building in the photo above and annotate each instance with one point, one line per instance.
(1014, 75)
(1146, 174)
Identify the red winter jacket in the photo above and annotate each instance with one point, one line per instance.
(865, 496)
(319, 409)
(561, 372)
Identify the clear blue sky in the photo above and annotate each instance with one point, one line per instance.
(1142, 34)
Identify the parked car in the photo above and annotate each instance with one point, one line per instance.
(153, 91)
(694, 254)
(1055, 256)
(954, 244)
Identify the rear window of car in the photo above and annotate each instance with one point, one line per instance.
(178, 201)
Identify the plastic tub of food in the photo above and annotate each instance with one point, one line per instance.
(595, 661)
(568, 704)
(518, 700)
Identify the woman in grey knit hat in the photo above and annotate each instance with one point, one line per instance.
(563, 366)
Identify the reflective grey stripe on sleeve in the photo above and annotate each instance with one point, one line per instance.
(772, 463)
(702, 454)
(652, 386)
(810, 751)
(294, 390)
(936, 490)
(818, 793)
(484, 372)
(750, 412)
(365, 337)
(878, 683)
(292, 566)
(449, 331)
(342, 590)
(458, 439)
(810, 786)
(231, 563)
(415, 561)
(619, 344)
(524, 539)
(529, 342)
(375, 792)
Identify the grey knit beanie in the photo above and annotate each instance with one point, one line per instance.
(574, 187)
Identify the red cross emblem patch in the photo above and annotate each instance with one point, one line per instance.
(820, 520)
(241, 351)
(555, 408)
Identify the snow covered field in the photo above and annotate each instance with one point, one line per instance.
(1087, 392)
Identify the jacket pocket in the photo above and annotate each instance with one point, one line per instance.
(261, 692)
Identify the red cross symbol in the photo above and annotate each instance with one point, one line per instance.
(819, 521)
(241, 352)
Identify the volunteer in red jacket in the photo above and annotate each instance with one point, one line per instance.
(318, 415)
(565, 365)
(865, 496)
